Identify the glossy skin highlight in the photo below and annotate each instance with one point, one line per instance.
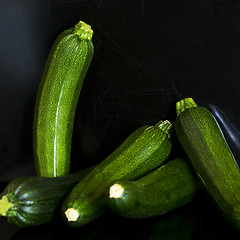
(230, 131)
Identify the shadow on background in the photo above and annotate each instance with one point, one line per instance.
(186, 223)
(148, 54)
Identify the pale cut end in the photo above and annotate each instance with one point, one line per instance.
(116, 191)
(72, 214)
(5, 205)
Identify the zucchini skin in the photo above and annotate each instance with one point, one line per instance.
(57, 98)
(34, 199)
(160, 191)
(208, 152)
(144, 150)
(230, 132)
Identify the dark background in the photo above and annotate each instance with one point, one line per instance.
(148, 54)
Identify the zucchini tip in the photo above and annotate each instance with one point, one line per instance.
(72, 214)
(116, 191)
(184, 104)
(5, 205)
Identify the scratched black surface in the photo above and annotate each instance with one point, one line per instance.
(148, 54)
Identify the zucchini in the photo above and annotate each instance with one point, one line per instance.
(210, 156)
(160, 191)
(31, 201)
(57, 98)
(144, 150)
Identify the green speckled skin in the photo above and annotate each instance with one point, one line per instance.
(162, 190)
(144, 150)
(210, 156)
(56, 102)
(35, 199)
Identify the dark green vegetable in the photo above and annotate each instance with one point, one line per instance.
(30, 201)
(160, 191)
(144, 150)
(202, 140)
(57, 98)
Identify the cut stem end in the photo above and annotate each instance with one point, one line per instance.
(5, 205)
(83, 30)
(184, 104)
(165, 126)
(116, 191)
(72, 214)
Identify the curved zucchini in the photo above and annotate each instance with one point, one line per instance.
(57, 98)
(202, 140)
(144, 150)
(31, 201)
(160, 191)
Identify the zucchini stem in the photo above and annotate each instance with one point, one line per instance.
(5, 205)
(116, 191)
(184, 104)
(165, 126)
(83, 30)
(72, 214)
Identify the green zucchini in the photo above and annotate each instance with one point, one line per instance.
(208, 152)
(144, 150)
(160, 191)
(31, 201)
(57, 98)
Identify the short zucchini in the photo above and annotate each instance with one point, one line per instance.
(31, 201)
(160, 191)
(144, 150)
(203, 141)
(57, 98)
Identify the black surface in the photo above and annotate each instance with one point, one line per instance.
(148, 54)
(186, 223)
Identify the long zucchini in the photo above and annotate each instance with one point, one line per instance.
(144, 150)
(57, 98)
(204, 143)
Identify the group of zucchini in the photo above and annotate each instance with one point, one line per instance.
(137, 180)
